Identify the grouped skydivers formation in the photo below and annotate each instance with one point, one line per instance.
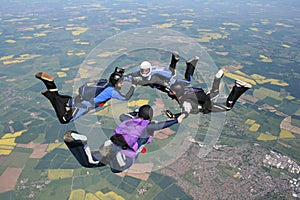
(136, 128)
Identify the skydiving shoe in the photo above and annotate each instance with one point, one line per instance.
(47, 79)
(193, 61)
(214, 92)
(238, 89)
(240, 83)
(220, 74)
(175, 56)
(44, 76)
(67, 137)
(77, 136)
(70, 136)
(190, 68)
(174, 60)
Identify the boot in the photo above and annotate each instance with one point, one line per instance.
(174, 60)
(214, 92)
(238, 89)
(48, 80)
(190, 68)
(71, 136)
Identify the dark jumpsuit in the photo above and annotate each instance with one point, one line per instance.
(195, 100)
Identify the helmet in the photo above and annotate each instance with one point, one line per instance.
(178, 88)
(145, 112)
(144, 66)
(116, 76)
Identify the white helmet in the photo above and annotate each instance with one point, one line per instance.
(144, 67)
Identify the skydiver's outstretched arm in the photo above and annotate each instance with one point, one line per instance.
(171, 115)
(154, 126)
(131, 76)
(164, 124)
(124, 97)
(127, 116)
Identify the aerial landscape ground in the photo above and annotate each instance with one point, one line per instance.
(250, 152)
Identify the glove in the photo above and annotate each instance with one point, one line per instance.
(135, 80)
(168, 113)
(136, 110)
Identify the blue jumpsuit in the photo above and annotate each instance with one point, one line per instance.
(69, 108)
(84, 106)
(160, 78)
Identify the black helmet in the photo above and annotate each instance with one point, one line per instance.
(145, 112)
(178, 88)
(116, 76)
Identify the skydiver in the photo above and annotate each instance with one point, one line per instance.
(161, 77)
(121, 150)
(69, 108)
(193, 100)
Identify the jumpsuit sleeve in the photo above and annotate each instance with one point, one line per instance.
(116, 94)
(159, 80)
(160, 125)
(127, 116)
(127, 78)
(131, 76)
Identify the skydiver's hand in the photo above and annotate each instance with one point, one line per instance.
(136, 80)
(181, 117)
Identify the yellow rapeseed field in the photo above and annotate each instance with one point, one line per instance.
(266, 137)
(285, 134)
(254, 127)
(78, 194)
(54, 174)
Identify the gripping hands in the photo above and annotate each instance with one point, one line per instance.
(178, 116)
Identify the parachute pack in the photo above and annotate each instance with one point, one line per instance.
(90, 90)
(128, 132)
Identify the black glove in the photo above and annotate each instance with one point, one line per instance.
(168, 113)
